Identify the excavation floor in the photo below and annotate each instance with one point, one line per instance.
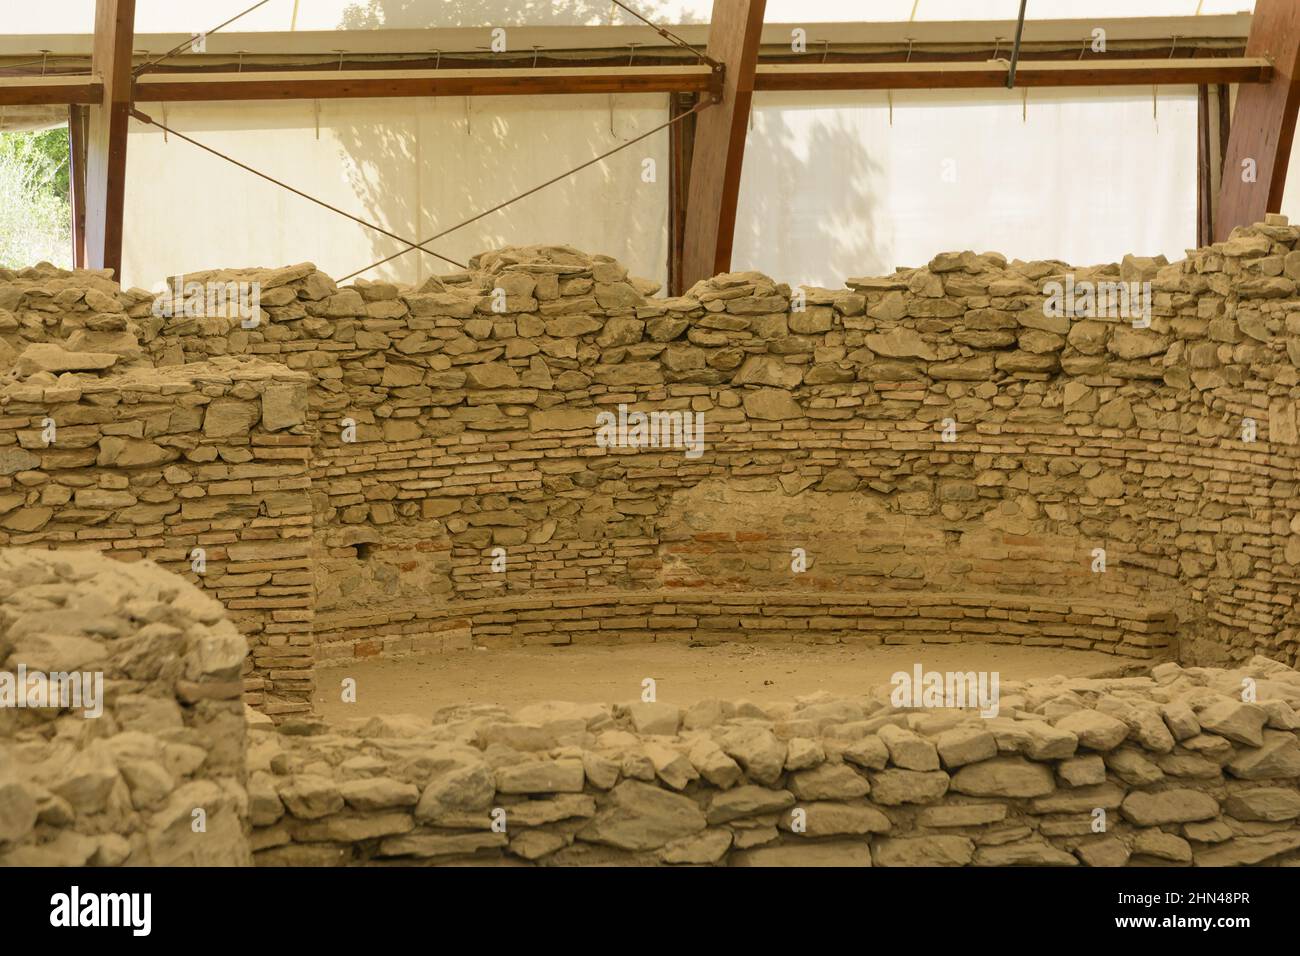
(515, 677)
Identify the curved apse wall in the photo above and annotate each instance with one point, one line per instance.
(933, 455)
(825, 414)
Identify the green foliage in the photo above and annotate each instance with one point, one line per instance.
(35, 215)
(45, 154)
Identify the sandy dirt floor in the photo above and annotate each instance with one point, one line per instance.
(421, 685)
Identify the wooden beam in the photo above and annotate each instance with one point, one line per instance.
(106, 134)
(49, 90)
(680, 146)
(348, 84)
(1263, 122)
(719, 149)
(1204, 196)
(77, 181)
(976, 75)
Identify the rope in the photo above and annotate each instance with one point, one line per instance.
(145, 118)
(668, 35)
(487, 212)
(184, 43)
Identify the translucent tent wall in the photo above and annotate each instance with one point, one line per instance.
(170, 16)
(834, 184)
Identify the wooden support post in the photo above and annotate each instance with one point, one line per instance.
(679, 178)
(1263, 122)
(1204, 185)
(77, 182)
(106, 134)
(719, 149)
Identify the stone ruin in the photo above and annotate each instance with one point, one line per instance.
(123, 787)
(347, 473)
(1182, 769)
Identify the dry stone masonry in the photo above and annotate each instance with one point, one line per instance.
(1168, 769)
(204, 508)
(1171, 769)
(378, 470)
(154, 774)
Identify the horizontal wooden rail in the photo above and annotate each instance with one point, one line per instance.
(50, 90)
(347, 84)
(320, 84)
(993, 73)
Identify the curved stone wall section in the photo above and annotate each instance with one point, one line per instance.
(1169, 769)
(1166, 770)
(474, 402)
(459, 418)
(146, 768)
(705, 616)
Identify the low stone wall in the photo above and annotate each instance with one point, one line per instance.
(157, 777)
(202, 468)
(1172, 769)
(937, 430)
(473, 404)
(700, 616)
(1175, 768)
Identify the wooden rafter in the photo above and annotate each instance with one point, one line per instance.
(969, 75)
(685, 78)
(1263, 122)
(372, 83)
(719, 149)
(107, 134)
(50, 90)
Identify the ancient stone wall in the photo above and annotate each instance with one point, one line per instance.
(452, 432)
(474, 404)
(1172, 769)
(203, 468)
(149, 769)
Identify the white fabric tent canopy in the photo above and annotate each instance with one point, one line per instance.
(184, 16)
(834, 184)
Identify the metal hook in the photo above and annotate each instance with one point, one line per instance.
(826, 49)
(909, 50)
(535, 49)
(45, 55)
(631, 52)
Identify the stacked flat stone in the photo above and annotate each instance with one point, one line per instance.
(475, 428)
(202, 468)
(1169, 769)
(1173, 768)
(121, 788)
